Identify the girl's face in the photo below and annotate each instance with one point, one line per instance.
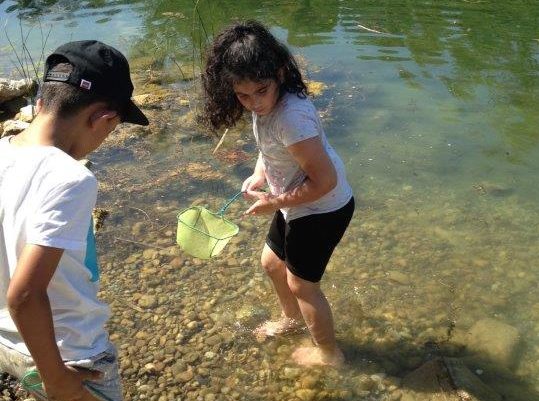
(259, 97)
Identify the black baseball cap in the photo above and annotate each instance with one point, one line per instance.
(100, 69)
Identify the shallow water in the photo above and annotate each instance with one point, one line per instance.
(436, 119)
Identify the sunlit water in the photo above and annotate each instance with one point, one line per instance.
(435, 116)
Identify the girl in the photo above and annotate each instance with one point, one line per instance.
(247, 68)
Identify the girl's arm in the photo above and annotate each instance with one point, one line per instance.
(259, 168)
(257, 179)
(321, 178)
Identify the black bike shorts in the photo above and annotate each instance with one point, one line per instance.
(305, 244)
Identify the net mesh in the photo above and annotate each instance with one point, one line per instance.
(203, 234)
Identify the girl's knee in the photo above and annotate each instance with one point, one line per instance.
(301, 288)
(272, 264)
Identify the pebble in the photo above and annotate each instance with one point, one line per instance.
(185, 376)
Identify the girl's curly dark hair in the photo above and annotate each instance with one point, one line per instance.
(244, 51)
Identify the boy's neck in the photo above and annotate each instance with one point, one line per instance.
(49, 130)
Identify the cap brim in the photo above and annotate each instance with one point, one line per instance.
(134, 115)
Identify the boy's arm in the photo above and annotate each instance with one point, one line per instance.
(30, 309)
(321, 178)
(29, 305)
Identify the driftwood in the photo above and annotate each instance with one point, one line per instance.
(220, 142)
(368, 29)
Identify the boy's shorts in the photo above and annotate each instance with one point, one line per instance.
(17, 364)
(305, 244)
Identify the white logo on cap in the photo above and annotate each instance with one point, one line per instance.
(84, 84)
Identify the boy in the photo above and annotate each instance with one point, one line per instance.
(50, 316)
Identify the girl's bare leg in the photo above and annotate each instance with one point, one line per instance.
(291, 315)
(317, 314)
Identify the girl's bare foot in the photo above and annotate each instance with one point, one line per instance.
(310, 356)
(284, 325)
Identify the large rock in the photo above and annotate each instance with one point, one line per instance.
(465, 380)
(493, 340)
(26, 114)
(150, 100)
(13, 127)
(429, 382)
(10, 89)
(445, 379)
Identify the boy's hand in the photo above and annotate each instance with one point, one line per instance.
(68, 386)
(265, 204)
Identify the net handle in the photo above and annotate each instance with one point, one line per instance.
(228, 203)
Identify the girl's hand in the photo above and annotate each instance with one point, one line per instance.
(264, 205)
(252, 184)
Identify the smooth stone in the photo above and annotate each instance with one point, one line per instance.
(308, 382)
(191, 357)
(138, 228)
(214, 340)
(291, 373)
(398, 277)
(178, 367)
(493, 340)
(305, 394)
(210, 355)
(185, 376)
(147, 301)
(150, 254)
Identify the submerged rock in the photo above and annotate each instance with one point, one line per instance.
(465, 380)
(445, 379)
(398, 277)
(489, 188)
(305, 394)
(493, 340)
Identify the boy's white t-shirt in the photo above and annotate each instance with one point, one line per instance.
(46, 198)
(292, 120)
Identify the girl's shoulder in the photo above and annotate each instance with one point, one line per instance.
(291, 103)
(297, 119)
